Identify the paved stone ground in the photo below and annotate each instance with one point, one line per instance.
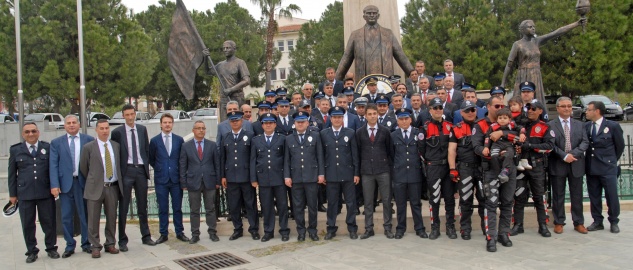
(570, 250)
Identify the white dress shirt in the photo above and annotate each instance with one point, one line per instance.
(112, 159)
(128, 134)
(77, 152)
(167, 141)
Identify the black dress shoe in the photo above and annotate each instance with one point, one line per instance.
(53, 254)
(357, 211)
(450, 231)
(67, 253)
(465, 235)
(31, 258)
(255, 235)
(182, 237)
(399, 235)
(88, 250)
(214, 237)
(504, 239)
(194, 239)
(285, 238)
(122, 248)
(329, 236)
(543, 231)
(267, 237)
(615, 228)
(301, 237)
(314, 237)
(422, 234)
(353, 235)
(149, 242)
(322, 208)
(595, 227)
(516, 229)
(491, 245)
(389, 234)
(367, 234)
(236, 235)
(435, 233)
(162, 239)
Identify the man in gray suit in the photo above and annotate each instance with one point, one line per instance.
(567, 164)
(102, 186)
(199, 170)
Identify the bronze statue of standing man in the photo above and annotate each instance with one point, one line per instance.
(372, 48)
(233, 74)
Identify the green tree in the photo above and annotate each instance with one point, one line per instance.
(320, 45)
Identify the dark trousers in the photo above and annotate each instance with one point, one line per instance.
(134, 178)
(73, 202)
(163, 192)
(558, 197)
(242, 195)
(502, 155)
(334, 190)
(195, 201)
(45, 209)
(359, 193)
(382, 183)
(469, 188)
(498, 196)
(536, 180)
(109, 199)
(271, 197)
(322, 198)
(410, 192)
(305, 194)
(441, 187)
(595, 185)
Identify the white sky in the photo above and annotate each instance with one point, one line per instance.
(312, 9)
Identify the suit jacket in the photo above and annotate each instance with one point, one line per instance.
(412, 88)
(338, 86)
(355, 52)
(61, 166)
(459, 80)
(118, 135)
(303, 162)
(27, 180)
(376, 157)
(579, 144)
(235, 157)
(194, 171)
(267, 162)
(457, 98)
(353, 122)
(407, 167)
(91, 167)
(225, 127)
(369, 99)
(342, 162)
(604, 150)
(166, 166)
(318, 118)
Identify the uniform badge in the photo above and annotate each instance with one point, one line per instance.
(538, 130)
(293, 126)
(389, 123)
(551, 132)
(245, 138)
(346, 139)
(606, 130)
(314, 124)
(474, 131)
(310, 138)
(416, 137)
(44, 150)
(420, 136)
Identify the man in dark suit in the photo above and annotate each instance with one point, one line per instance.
(68, 183)
(453, 95)
(374, 142)
(199, 175)
(308, 90)
(606, 145)
(567, 164)
(449, 108)
(457, 77)
(285, 117)
(30, 184)
(266, 172)
(350, 120)
(321, 115)
(303, 171)
(224, 127)
(134, 169)
(99, 164)
(342, 171)
(420, 68)
(337, 85)
(164, 155)
(234, 163)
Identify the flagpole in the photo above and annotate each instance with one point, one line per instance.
(18, 51)
(82, 80)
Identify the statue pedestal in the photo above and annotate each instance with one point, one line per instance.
(353, 19)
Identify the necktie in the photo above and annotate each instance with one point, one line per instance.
(567, 137)
(134, 155)
(362, 119)
(33, 151)
(336, 134)
(268, 140)
(301, 138)
(415, 114)
(167, 145)
(283, 121)
(325, 119)
(235, 136)
(371, 135)
(373, 97)
(594, 130)
(406, 137)
(424, 96)
(72, 151)
(381, 118)
(450, 75)
(108, 162)
(200, 149)
(448, 98)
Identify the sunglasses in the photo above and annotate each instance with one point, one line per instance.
(437, 108)
(469, 110)
(33, 131)
(498, 106)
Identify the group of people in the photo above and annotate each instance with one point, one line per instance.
(331, 146)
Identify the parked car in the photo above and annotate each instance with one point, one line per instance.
(628, 112)
(94, 117)
(5, 118)
(141, 117)
(178, 116)
(54, 119)
(205, 113)
(579, 108)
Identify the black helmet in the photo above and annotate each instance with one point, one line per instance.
(10, 209)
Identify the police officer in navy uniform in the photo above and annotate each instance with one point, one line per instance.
(434, 148)
(29, 183)
(303, 171)
(267, 173)
(349, 93)
(235, 161)
(284, 118)
(540, 141)
(384, 118)
(263, 107)
(407, 174)
(342, 171)
(464, 167)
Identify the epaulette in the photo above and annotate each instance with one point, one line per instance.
(15, 144)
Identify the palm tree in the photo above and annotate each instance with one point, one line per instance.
(269, 8)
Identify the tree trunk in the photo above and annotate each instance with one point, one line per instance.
(270, 34)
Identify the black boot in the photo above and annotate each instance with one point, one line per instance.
(517, 229)
(450, 231)
(491, 246)
(435, 232)
(504, 239)
(542, 229)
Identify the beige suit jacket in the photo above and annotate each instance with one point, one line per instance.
(91, 167)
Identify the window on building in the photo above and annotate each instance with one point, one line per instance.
(291, 45)
(280, 45)
(282, 73)
(273, 74)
